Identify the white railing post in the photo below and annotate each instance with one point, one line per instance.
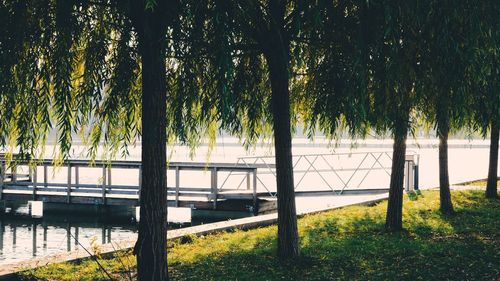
(77, 177)
(35, 178)
(109, 177)
(103, 191)
(177, 185)
(248, 180)
(68, 189)
(45, 175)
(255, 190)
(214, 187)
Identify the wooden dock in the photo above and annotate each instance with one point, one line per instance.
(248, 185)
(35, 184)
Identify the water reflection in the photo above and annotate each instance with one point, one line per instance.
(66, 228)
(23, 237)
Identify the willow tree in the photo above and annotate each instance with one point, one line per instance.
(337, 89)
(21, 91)
(393, 66)
(267, 25)
(483, 72)
(365, 77)
(443, 83)
(249, 48)
(97, 64)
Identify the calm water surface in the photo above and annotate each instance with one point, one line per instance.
(23, 237)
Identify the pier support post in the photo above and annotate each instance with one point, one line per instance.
(214, 187)
(409, 173)
(34, 236)
(137, 213)
(415, 177)
(36, 209)
(255, 207)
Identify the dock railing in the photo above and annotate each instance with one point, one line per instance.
(335, 173)
(101, 180)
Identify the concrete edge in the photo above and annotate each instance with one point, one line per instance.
(9, 271)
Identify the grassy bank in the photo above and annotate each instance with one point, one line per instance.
(480, 183)
(344, 244)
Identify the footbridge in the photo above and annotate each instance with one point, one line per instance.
(247, 185)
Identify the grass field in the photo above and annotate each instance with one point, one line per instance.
(343, 244)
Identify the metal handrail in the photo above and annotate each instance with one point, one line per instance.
(373, 160)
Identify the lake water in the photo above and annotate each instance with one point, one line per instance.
(22, 237)
(78, 227)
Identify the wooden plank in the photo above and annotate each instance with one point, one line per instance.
(73, 186)
(194, 189)
(62, 192)
(193, 194)
(236, 196)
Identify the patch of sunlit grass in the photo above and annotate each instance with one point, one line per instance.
(348, 243)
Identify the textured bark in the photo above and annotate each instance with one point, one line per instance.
(288, 237)
(446, 205)
(394, 217)
(151, 246)
(491, 186)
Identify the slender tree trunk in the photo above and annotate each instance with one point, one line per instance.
(446, 205)
(151, 246)
(394, 218)
(491, 186)
(288, 237)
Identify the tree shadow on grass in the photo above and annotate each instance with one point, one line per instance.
(351, 244)
(361, 250)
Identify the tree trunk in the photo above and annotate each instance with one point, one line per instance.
(491, 186)
(151, 246)
(394, 218)
(446, 205)
(288, 237)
